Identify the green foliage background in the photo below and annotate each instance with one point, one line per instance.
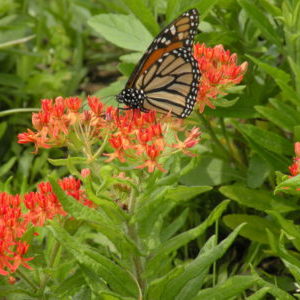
(77, 47)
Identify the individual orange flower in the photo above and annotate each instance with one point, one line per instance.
(192, 138)
(219, 71)
(151, 163)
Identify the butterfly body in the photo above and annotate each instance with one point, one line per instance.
(167, 76)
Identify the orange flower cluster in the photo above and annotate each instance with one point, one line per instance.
(219, 71)
(295, 167)
(133, 135)
(14, 222)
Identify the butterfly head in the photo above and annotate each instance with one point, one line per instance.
(133, 98)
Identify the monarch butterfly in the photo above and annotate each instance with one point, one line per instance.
(166, 78)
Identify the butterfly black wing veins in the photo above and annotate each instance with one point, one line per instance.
(166, 78)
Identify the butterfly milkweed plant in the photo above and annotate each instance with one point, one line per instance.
(114, 227)
(114, 218)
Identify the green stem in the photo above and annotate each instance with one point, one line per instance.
(137, 260)
(101, 149)
(17, 41)
(16, 111)
(25, 278)
(132, 233)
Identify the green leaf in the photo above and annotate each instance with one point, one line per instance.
(286, 186)
(274, 290)
(173, 227)
(210, 171)
(175, 7)
(75, 208)
(229, 289)
(109, 92)
(257, 172)
(122, 30)
(67, 161)
(287, 109)
(7, 166)
(255, 229)
(275, 161)
(258, 199)
(112, 210)
(204, 6)
(274, 72)
(185, 193)
(131, 57)
(3, 127)
(261, 21)
(95, 218)
(171, 285)
(278, 117)
(267, 139)
(182, 239)
(144, 14)
(260, 294)
(288, 226)
(281, 78)
(118, 279)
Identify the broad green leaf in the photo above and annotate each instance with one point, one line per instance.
(258, 199)
(7, 166)
(289, 185)
(131, 57)
(122, 30)
(3, 127)
(267, 139)
(173, 227)
(281, 78)
(170, 286)
(229, 289)
(255, 228)
(185, 193)
(274, 290)
(287, 109)
(75, 208)
(271, 8)
(67, 161)
(278, 117)
(257, 172)
(173, 10)
(175, 7)
(210, 171)
(126, 69)
(147, 215)
(261, 21)
(11, 80)
(260, 294)
(144, 14)
(70, 285)
(182, 239)
(112, 210)
(274, 72)
(118, 279)
(203, 6)
(293, 268)
(108, 94)
(275, 161)
(288, 226)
